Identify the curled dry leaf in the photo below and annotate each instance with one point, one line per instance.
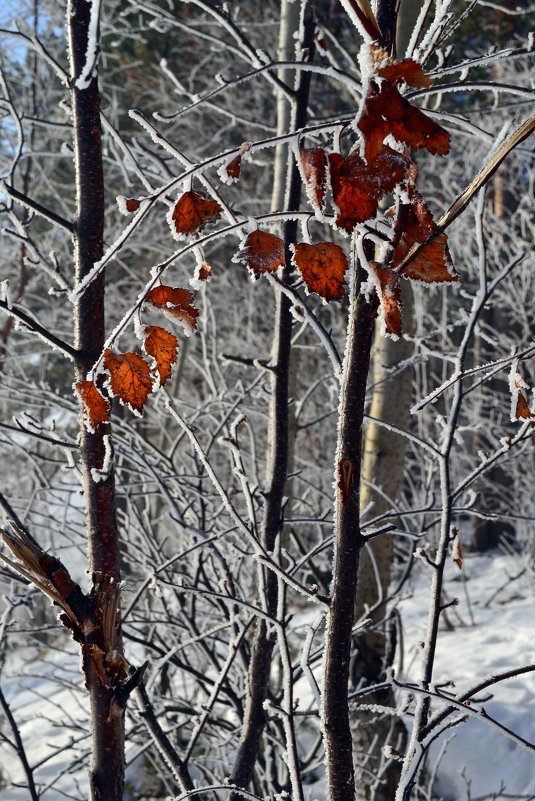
(432, 264)
(262, 252)
(457, 552)
(387, 285)
(523, 411)
(229, 173)
(203, 272)
(406, 71)
(358, 186)
(130, 378)
(96, 407)
(386, 112)
(163, 347)
(322, 267)
(176, 303)
(314, 169)
(192, 211)
(519, 405)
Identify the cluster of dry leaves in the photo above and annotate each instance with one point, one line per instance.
(356, 184)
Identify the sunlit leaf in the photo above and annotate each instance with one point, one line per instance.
(192, 211)
(314, 168)
(262, 252)
(230, 172)
(130, 378)
(523, 411)
(96, 407)
(176, 303)
(387, 112)
(433, 263)
(358, 186)
(406, 71)
(163, 347)
(387, 285)
(322, 267)
(519, 405)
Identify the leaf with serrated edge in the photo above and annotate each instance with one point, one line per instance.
(176, 303)
(433, 261)
(192, 211)
(163, 347)
(262, 252)
(386, 112)
(314, 168)
(130, 378)
(387, 284)
(357, 186)
(322, 267)
(96, 407)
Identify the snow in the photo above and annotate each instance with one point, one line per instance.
(92, 52)
(478, 759)
(492, 633)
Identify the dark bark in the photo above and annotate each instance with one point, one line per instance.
(103, 672)
(348, 544)
(260, 666)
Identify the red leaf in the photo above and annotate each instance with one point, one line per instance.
(96, 407)
(177, 303)
(387, 112)
(314, 167)
(357, 187)
(406, 71)
(432, 262)
(262, 252)
(230, 172)
(387, 284)
(130, 378)
(132, 204)
(322, 267)
(522, 409)
(203, 272)
(163, 347)
(193, 211)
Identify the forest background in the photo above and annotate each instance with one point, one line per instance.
(256, 557)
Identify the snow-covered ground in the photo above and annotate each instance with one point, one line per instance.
(493, 631)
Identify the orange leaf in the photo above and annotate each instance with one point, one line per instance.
(203, 272)
(96, 407)
(130, 377)
(192, 212)
(163, 347)
(229, 173)
(322, 267)
(432, 262)
(387, 112)
(522, 409)
(457, 554)
(387, 284)
(262, 252)
(174, 302)
(407, 71)
(357, 187)
(314, 167)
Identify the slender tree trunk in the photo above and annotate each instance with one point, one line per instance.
(272, 523)
(348, 543)
(382, 472)
(102, 648)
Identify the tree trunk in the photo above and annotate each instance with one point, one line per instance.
(348, 543)
(102, 651)
(272, 524)
(382, 473)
